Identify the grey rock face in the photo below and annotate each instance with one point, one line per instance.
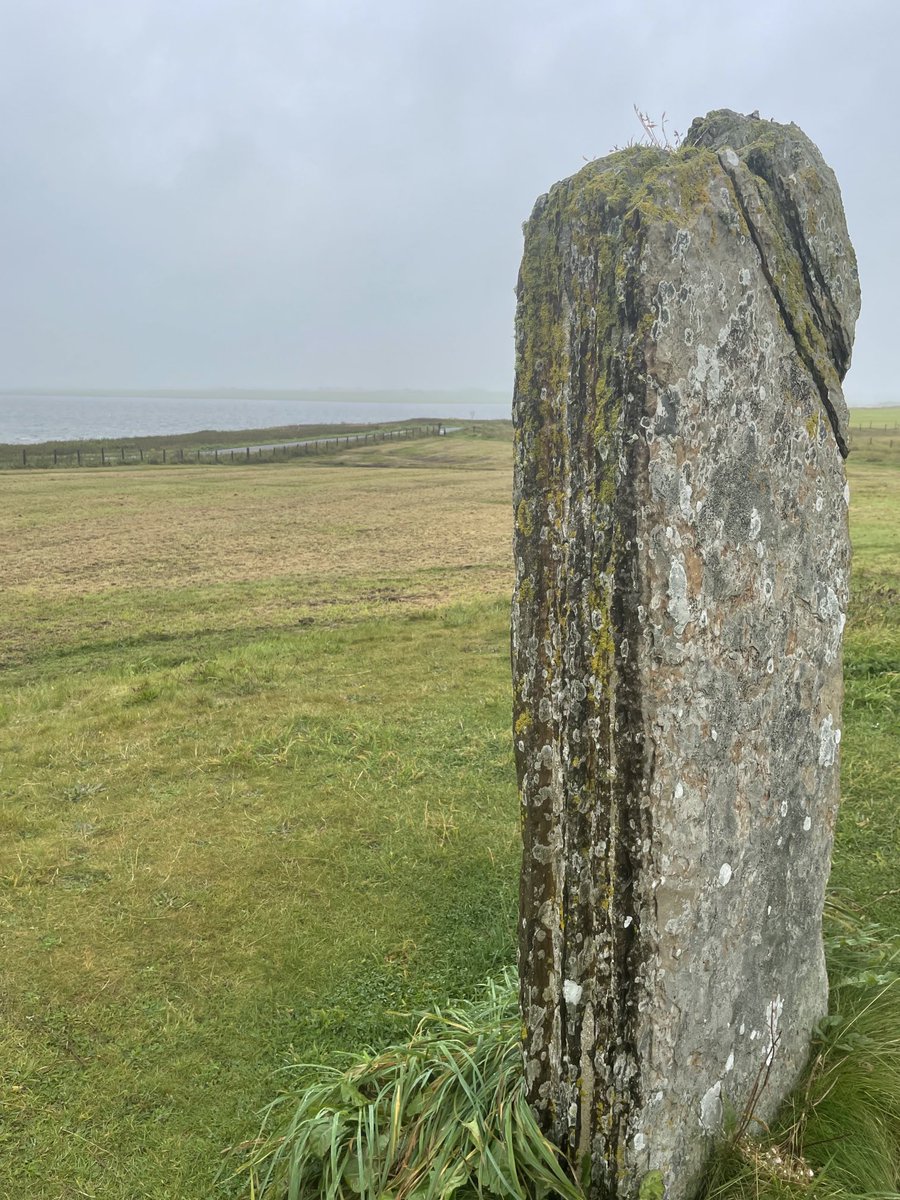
(683, 327)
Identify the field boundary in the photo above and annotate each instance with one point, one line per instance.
(121, 455)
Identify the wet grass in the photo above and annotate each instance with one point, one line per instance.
(256, 788)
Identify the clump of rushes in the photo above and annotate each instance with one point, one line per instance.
(439, 1115)
(444, 1114)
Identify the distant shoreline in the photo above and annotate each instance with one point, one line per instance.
(38, 418)
(318, 395)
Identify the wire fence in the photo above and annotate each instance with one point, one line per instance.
(122, 455)
(862, 434)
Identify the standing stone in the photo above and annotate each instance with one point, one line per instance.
(683, 327)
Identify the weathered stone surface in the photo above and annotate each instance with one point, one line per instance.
(684, 324)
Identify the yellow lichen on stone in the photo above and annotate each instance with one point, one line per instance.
(524, 518)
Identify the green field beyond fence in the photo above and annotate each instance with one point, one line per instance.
(884, 419)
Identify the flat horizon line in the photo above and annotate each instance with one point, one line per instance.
(333, 390)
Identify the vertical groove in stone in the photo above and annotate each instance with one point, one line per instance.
(681, 554)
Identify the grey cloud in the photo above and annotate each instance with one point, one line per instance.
(291, 194)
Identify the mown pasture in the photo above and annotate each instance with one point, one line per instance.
(256, 784)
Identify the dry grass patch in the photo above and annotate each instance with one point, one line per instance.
(105, 557)
(75, 534)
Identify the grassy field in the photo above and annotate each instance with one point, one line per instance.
(256, 786)
(884, 417)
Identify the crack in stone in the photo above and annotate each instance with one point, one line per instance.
(808, 359)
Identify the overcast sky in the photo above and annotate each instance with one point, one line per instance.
(302, 193)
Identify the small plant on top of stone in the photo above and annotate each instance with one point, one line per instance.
(656, 134)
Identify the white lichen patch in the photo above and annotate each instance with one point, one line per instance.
(678, 608)
(572, 992)
(711, 1108)
(829, 739)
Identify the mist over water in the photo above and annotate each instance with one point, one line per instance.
(28, 419)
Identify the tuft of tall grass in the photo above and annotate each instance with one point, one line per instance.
(444, 1112)
(838, 1135)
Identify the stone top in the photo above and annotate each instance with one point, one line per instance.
(792, 204)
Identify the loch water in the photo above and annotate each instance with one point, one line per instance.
(26, 419)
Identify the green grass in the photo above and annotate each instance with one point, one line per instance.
(256, 787)
(220, 855)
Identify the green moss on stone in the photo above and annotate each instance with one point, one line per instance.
(652, 1186)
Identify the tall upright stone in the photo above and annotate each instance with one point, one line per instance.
(684, 323)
